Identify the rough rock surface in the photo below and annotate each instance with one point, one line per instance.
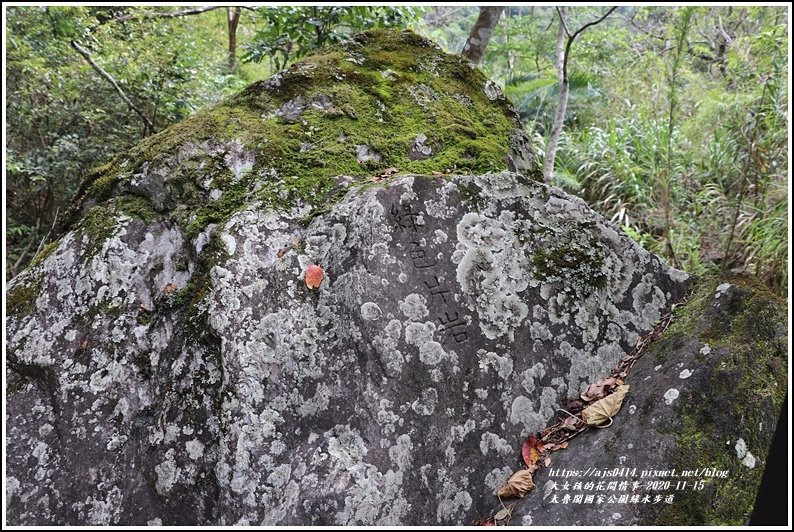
(704, 399)
(167, 364)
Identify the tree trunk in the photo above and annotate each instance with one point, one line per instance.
(481, 32)
(563, 53)
(233, 19)
(562, 102)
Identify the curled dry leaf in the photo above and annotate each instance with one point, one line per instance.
(314, 276)
(531, 451)
(170, 288)
(608, 381)
(280, 252)
(592, 393)
(518, 485)
(570, 423)
(600, 389)
(558, 446)
(605, 409)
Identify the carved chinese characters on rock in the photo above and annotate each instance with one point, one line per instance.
(409, 224)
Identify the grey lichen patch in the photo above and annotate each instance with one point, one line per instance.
(414, 307)
(171, 331)
(554, 250)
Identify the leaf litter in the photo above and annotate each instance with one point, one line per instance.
(599, 403)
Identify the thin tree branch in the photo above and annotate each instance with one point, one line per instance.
(164, 14)
(43, 240)
(576, 34)
(87, 55)
(564, 23)
(25, 251)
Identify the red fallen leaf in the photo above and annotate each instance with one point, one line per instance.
(280, 253)
(314, 276)
(531, 451)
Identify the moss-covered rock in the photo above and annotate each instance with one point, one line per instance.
(697, 424)
(170, 365)
(743, 331)
(387, 99)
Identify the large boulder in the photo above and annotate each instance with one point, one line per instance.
(168, 364)
(695, 429)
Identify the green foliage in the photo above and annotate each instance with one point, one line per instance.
(286, 34)
(676, 126)
(63, 118)
(702, 122)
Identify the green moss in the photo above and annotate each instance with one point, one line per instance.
(192, 299)
(471, 194)
(576, 256)
(381, 91)
(16, 384)
(21, 299)
(144, 317)
(136, 207)
(101, 180)
(45, 252)
(747, 387)
(98, 225)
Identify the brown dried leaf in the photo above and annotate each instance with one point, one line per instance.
(570, 423)
(602, 411)
(389, 171)
(280, 253)
(558, 446)
(518, 485)
(593, 392)
(170, 288)
(608, 381)
(436, 173)
(547, 462)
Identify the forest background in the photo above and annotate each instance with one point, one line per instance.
(676, 126)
